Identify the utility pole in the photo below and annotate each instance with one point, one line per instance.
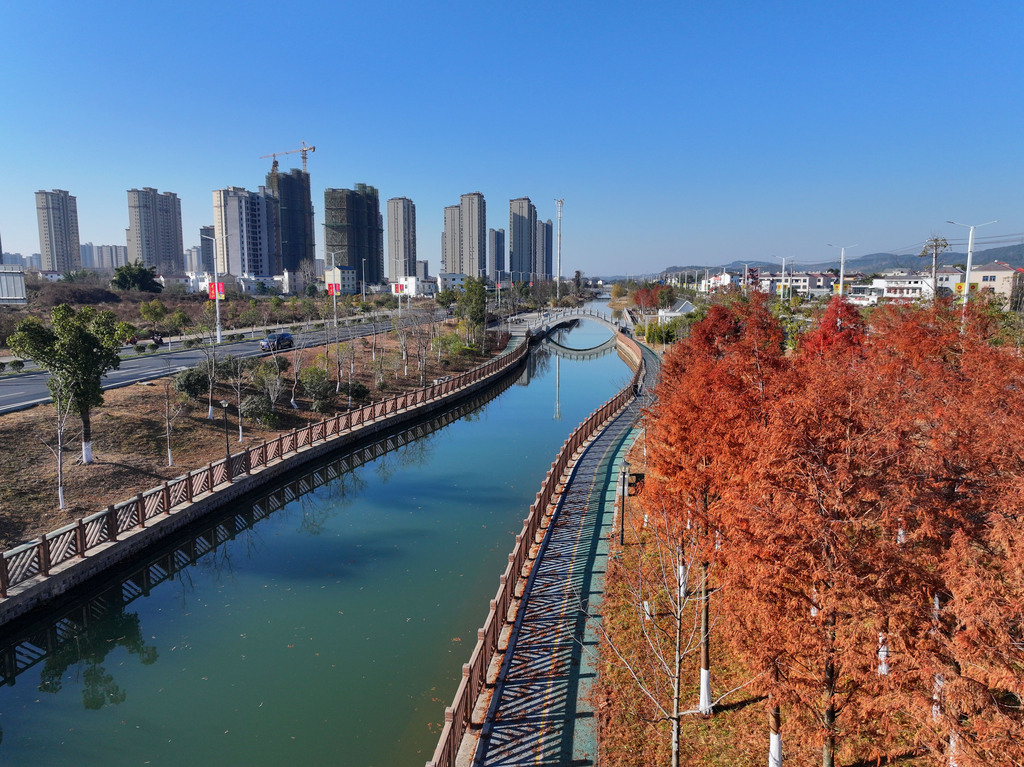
(558, 251)
(842, 264)
(937, 245)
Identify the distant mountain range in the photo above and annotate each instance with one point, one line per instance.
(877, 262)
(869, 264)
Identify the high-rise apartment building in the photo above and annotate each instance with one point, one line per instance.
(206, 248)
(57, 214)
(451, 240)
(295, 217)
(401, 238)
(110, 256)
(154, 230)
(495, 253)
(522, 238)
(543, 261)
(245, 232)
(473, 215)
(355, 231)
(421, 270)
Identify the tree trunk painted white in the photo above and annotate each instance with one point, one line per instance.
(775, 749)
(87, 452)
(775, 735)
(937, 685)
(883, 655)
(60, 493)
(209, 413)
(705, 705)
(952, 748)
(705, 691)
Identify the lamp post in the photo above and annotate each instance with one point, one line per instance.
(558, 258)
(227, 445)
(216, 279)
(624, 491)
(363, 280)
(335, 285)
(842, 264)
(970, 255)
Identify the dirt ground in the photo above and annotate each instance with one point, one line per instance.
(130, 446)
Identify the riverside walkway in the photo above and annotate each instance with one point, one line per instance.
(539, 711)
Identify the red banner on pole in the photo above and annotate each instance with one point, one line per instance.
(216, 291)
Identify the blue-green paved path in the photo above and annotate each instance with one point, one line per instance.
(541, 712)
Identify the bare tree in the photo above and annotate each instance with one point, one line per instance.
(173, 407)
(64, 404)
(298, 358)
(665, 584)
(237, 372)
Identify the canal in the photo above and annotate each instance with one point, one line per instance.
(331, 631)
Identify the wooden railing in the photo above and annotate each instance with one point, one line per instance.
(457, 716)
(74, 541)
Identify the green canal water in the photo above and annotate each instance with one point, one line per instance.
(331, 632)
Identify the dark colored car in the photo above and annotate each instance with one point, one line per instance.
(276, 341)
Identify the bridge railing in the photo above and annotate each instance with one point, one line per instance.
(74, 541)
(458, 716)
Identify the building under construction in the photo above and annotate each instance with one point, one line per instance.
(295, 217)
(354, 232)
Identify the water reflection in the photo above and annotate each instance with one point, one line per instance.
(90, 626)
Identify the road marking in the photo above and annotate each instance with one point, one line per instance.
(15, 394)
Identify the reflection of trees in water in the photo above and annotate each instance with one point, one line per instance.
(319, 507)
(79, 634)
(88, 650)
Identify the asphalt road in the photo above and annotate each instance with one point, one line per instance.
(18, 392)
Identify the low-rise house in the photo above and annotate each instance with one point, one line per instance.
(997, 278)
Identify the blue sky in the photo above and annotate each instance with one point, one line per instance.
(677, 133)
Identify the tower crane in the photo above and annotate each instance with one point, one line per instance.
(304, 149)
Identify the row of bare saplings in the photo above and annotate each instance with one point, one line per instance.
(457, 717)
(75, 540)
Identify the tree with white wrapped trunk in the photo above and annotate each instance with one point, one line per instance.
(77, 349)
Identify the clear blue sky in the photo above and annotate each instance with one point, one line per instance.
(677, 132)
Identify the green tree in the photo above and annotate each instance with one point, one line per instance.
(446, 297)
(136, 276)
(473, 305)
(77, 349)
(153, 311)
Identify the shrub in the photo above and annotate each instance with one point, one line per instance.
(258, 409)
(318, 387)
(193, 383)
(3, 366)
(356, 389)
(139, 348)
(152, 347)
(17, 366)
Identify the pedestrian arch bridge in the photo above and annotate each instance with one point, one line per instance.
(567, 352)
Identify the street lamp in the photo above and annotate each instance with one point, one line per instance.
(216, 280)
(227, 445)
(842, 264)
(970, 255)
(363, 280)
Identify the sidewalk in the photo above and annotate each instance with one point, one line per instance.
(541, 710)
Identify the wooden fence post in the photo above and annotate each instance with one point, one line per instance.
(80, 538)
(140, 510)
(44, 555)
(111, 521)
